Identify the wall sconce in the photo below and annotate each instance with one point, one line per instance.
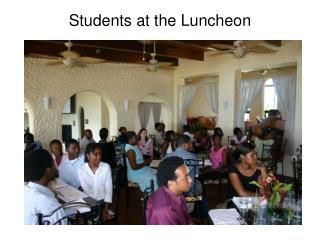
(126, 104)
(86, 121)
(46, 101)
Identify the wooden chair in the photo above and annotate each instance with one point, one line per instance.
(272, 155)
(266, 157)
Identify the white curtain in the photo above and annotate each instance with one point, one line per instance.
(156, 107)
(249, 90)
(144, 109)
(186, 94)
(212, 96)
(285, 88)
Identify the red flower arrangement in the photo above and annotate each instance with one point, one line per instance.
(274, 190)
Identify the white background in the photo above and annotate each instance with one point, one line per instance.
(272, 19)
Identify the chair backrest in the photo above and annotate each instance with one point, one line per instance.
(266, 151)
(197, 165)
(146, 194)
(71, 217)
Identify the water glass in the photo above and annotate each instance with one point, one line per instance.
(261, 215)
(297, 218)
(243, 206)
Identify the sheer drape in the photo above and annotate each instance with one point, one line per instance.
(249, 90)
(156, 107)
(144, 109)
(212, 96)
(186, 94)
(285, 88)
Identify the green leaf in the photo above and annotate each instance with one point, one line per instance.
(288, 187)
(256, 184)
(278, 186)
(274, 199)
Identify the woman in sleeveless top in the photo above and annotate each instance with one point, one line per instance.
(218, 154)
(137, 169)
(145, 144)
(246, 170)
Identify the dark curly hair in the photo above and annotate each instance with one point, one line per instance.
(166, 170)
(242, 149)
(36, 164)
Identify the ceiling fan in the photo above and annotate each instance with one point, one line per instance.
(69, 58)
(242, 47)
(153, 63)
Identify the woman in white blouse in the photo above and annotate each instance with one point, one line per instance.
(96, 179)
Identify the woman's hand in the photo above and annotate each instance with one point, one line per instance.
(148, 161)
(262, 170)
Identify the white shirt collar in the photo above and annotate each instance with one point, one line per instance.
(41, 188)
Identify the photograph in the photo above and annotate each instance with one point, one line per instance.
(162, 132)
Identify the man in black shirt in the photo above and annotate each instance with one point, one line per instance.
(107, 148)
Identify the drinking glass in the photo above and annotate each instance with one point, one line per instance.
(298, 212)
(243, 206)
(261, 216)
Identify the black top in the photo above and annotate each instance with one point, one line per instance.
(122, 139)
(244, 180)
(108, 153)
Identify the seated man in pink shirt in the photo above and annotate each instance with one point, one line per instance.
(168, 205)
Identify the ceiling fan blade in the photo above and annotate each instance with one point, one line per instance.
(250, 43)
(69, 54)
(92, 60)
(54, 62)
(217, 53)
(261, 49)
(43, 56)
(221, 46)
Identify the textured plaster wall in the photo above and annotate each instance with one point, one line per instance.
(113, 82)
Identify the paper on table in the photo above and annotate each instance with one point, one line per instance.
(238, 201)
(56, 184)
(224, 216)
(79, 207)
(69, 193)
(155, 163)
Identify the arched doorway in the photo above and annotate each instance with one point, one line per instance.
(28, 118)
(163, 116)
(86, 110)
(81, 121)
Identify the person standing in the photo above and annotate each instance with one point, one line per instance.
(87, 138)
